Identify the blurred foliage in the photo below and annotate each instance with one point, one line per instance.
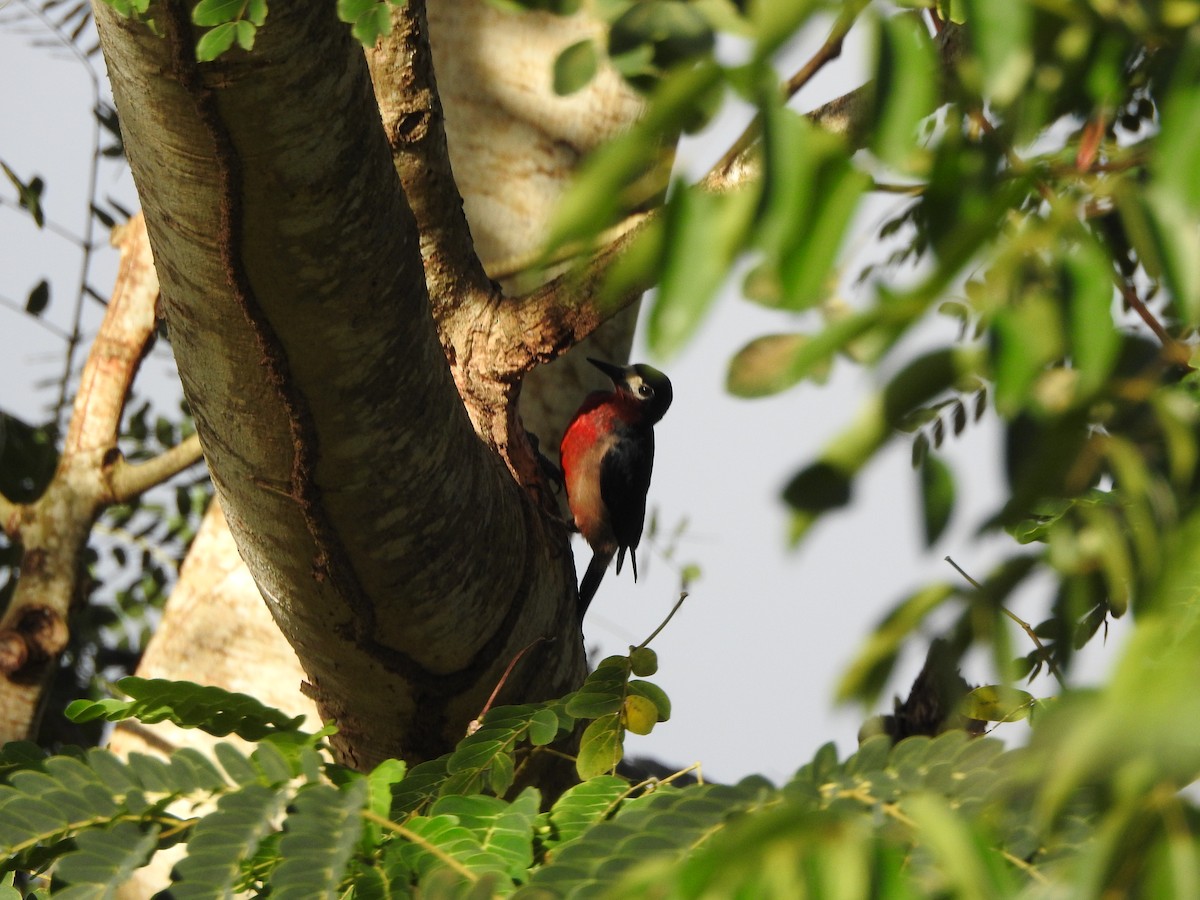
(1040, 158)
(1048, 203)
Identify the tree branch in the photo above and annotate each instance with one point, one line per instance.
(554, 317)
(128, 480)
(406, 90)
(54, 530)
(118, 347)
(829, 50)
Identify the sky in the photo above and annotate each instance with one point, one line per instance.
(752, 659)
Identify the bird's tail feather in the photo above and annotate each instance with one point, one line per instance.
(591, 579)
(632, 559)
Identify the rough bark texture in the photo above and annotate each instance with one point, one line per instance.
(194, 646)
(488, 137)
(391, 543)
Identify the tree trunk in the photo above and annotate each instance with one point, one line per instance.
(393, 543)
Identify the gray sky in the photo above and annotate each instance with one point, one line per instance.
(751, 660)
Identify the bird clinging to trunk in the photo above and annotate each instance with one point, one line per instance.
(607, 455)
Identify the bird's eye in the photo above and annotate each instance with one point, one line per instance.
(645, 391)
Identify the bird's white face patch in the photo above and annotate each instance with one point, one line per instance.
(637, 386)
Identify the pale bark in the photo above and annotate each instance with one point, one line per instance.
(447, 249)
(229, 639)
(491, 129)
(400, 557)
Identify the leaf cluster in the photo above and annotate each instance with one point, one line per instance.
(926, 816)
(1047, 208)
(286, 819)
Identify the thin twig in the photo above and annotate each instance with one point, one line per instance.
(910, 190)
(1026, 867)
(424, 843)
(1175, 351)
(18, 307)
(474, 725)
(50, 225)
(678, 603)
(830, 50)
(1021, 622)
(651, 783)
(86, 241)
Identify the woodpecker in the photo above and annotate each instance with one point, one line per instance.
(607, 454)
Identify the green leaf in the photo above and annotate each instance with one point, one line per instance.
(29, 194)
(1002, 59)
(638, 714)
(419, 787)
(1166, 236)
(256, 12)
(584, 805)
(602, 691)
(1094, 338)
(767, 365)
(643, 661)
(810, 193)
(774, 22)
(905, 89)
(655, 695)
(236, 766)
(969, 865)
(106, 857)
(630, 171)
(1028, 337)
(870, 670)
(543, 727)
(38, 299)
(937, 497)
(575, 67)
(371, 26)
(320, 835)
(677, 32)
(817, 489)
(448, 837)
(217, 12)
(997, 703)
(665, 825)
(222, 840)
(704, 232)
(246, 32)
(187, 705)
(504, 829)
(600, 747)
(1174, 153)
(216, 41)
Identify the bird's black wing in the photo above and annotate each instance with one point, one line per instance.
(624, 481)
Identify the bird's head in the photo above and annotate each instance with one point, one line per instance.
(649, 388)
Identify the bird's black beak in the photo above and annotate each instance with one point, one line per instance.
(616, 373)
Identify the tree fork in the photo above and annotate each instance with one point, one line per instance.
(391, 543)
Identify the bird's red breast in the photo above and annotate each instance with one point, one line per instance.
(590, 435)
